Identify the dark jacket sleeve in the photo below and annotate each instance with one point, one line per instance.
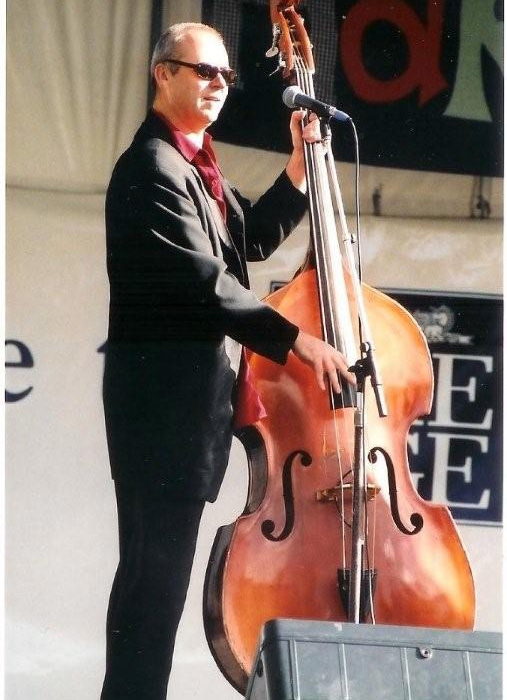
(274, 215)
(166, 280)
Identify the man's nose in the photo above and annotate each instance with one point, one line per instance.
(219, 81)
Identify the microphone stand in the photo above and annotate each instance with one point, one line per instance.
(365, 367)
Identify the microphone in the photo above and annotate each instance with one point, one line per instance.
(293, 97)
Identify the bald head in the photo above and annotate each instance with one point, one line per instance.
(172, 42)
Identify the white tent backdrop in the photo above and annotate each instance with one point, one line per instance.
(76, 90)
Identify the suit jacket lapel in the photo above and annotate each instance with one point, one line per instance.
(236, 219)
(154, 126)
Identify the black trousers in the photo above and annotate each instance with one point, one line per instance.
(157, 536)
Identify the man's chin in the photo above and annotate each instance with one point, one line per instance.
(211, 115)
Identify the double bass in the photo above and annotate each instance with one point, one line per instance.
(333, 528)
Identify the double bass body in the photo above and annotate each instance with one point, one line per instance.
(282, 556)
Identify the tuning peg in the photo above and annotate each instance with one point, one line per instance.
(274, 50)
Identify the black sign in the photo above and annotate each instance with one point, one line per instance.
(422, 79)
(456, 452)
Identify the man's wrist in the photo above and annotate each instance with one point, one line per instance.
(295, 170)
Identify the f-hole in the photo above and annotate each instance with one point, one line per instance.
(268, 526)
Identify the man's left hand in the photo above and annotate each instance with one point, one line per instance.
(300, 132)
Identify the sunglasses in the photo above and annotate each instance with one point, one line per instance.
(208, 72)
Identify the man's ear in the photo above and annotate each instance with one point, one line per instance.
(160, 73)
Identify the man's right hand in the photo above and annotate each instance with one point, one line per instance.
(326, 361)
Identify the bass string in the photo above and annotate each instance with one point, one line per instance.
(315, 168)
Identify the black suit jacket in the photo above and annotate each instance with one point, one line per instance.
(176, 291)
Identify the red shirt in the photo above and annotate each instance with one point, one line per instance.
(203, 159)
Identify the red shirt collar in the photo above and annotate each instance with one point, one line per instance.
(183, 144)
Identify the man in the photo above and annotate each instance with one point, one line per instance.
(180, 309)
